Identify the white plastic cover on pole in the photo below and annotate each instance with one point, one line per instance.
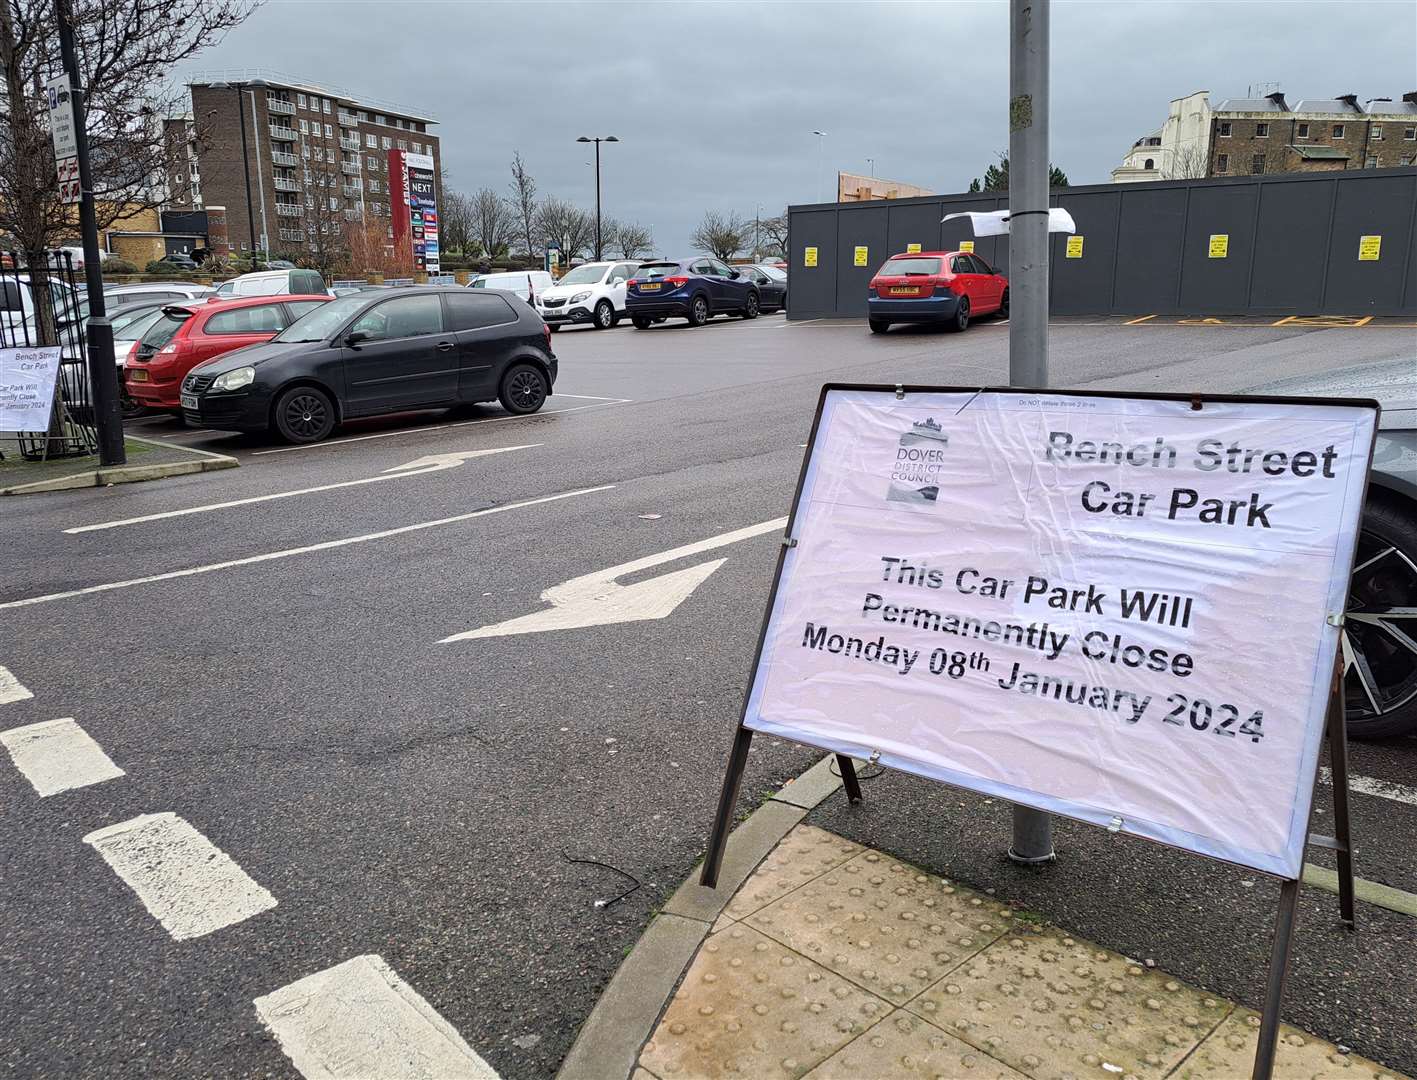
(1110, 608)
(996, 222)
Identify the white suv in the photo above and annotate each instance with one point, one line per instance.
(590, 293)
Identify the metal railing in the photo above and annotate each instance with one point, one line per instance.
(350, 168)
(284, 183)
(280, 157)
(348, 120)
(43, 306)
(284, 134)
(289, 209)
(349, 144)
(292, 234)
(279, 105)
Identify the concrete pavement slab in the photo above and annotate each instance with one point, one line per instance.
(805, 853)
(747, 847)
(903, 1047)
(1230, 1050)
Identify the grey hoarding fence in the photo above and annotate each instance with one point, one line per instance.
(1291, 244)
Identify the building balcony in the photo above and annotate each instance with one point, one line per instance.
(280, 157)
(350, 168)
(280, 105)
(297, 235)
(285, 209)
(284, 183)
(357, 214)
(349, 144)
(348, 120)
(284, 134)
(353, 191)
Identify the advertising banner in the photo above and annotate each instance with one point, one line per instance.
(422, 211)
(27, 387)
(1108, 607)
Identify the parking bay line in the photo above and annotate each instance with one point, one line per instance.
(1368, 785)
(184, 880)
(440, 427)
(289, 552)
(358, 1019)
(58, 755)
(299, 491)
(11, 689)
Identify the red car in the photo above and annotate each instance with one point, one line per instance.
(188, 334)
(949, 287)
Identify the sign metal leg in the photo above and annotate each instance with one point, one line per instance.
(727, 799)
(1338, 767)
(849, 780)
(1278, 972)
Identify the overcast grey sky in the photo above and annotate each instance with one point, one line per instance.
(715, 102)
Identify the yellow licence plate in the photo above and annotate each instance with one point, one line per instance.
(138, 375)
(904, 291)
(650, 288)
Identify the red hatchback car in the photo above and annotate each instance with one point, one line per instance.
(188, 334)
(949, 287)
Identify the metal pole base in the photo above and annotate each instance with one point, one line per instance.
(1033, 837)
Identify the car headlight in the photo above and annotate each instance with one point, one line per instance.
(580, 296)
(235, 380)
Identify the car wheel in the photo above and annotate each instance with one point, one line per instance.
(524, 389)
(750, 308)
(1380, 626)
(640, 322)
(130, 408)
(699, 311)
(304, 414)
(878, 326)
(604, 315)
(960, 323)
(1004, 305)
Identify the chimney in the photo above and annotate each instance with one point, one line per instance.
(1278, 98)
(1410, 97)
(1351, 100)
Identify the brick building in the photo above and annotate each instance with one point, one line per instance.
(1267, 135)
(316, 158)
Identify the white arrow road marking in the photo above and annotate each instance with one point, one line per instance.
(359, 1020)
(289, 552)
(58, 755)
(184, 880)
(11, 689)
(598, 600)
(435, 463)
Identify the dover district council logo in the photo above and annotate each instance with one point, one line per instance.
(918, 461)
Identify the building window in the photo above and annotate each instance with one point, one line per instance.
(304, 127)
(300, 100)
(330, 154)
(334, 203)
(1303, 131)
(1222, 162)
(371, 141)
(418, 148)
(1150, 163)
(1338, 131)
(1257, 164)
(1225, 129)
(1262, 131)
(1377, 133)
(1371, 163)
(364, 116)
(327, 106)
(310, 202)
(380, 119)
(329, 132)
(305, 151)
(388, 143)
(374, 184)
(403, 144)
(1406, 160)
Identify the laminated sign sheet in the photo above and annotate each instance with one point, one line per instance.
(1107, 607)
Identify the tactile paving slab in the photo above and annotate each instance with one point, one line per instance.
(904, 1047)
(805, 853)
(1230, 1051)
(1058, 1006)
(750, 1008)
(884, 925)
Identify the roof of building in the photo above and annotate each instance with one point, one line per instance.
(1321, 153)
(1384, 107)
(1248, 105)
(284, 80)
(1326, 105)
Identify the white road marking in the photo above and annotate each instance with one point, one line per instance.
(413, 468)
(440, 427)
(58, 755)
(590, 397)
(290, 552)
(11, 689)
(1368, 785)
(598, 600)
(358, 1020)
(184, 880)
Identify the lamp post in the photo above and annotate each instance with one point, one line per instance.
(757, 231)
(871, 164)
(820, 136)
(597, 140)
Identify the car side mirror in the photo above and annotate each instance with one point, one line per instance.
(734, 274)
(355, 338)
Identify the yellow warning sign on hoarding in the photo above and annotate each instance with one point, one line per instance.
(809, 256)
(912, 249)
(1074, 250)
(966, 245)
(1219, 245)
(862, 254)
(1369, 248)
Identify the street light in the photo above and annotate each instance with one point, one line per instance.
(871, 164)
(597, 140)
(820, 136)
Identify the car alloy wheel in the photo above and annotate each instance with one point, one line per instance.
(699, 311)
(750, 309)
(1379, 642)
(604, 315)
(524, 389)
(962, 314)
(1004, 305)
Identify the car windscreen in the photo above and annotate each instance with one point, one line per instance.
(584, 275)
(131, 325)
(774, 272)
(319, 324)
(913, 265)
(162, 331)
(655, 271)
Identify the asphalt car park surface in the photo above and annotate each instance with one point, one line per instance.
(275, 671)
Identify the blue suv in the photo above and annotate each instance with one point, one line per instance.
(694, 289)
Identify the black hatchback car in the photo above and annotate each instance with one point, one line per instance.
(381, 352)
(693, 289)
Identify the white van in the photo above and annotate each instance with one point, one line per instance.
(274, 283)
(591, 293)
(528, 284)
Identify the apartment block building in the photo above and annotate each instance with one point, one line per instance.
(1251, 136)
(296, 163)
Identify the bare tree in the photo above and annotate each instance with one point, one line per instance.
(456, 218)
(722, 235)
(493, 222)
(631, 240)
(774, 235)
(566, 225)
(524, 202)
(322, 221)
(1189, 162)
